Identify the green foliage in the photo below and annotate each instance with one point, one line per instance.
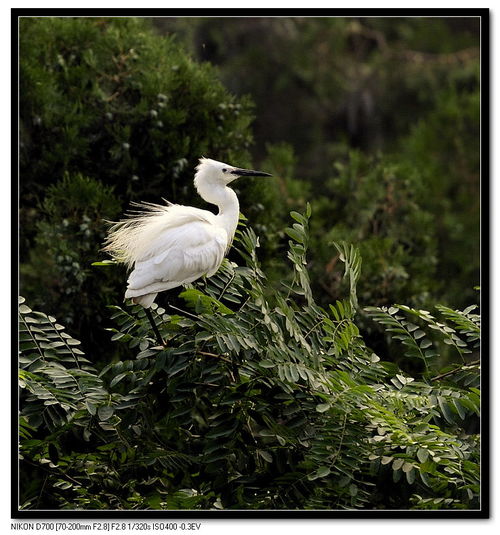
(443, 147)
(376, 204)
(58, 380)
(58, 275)
(427, 346)
(260, 400)
(109, 99)
(275, 390)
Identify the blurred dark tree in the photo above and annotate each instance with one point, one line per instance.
(58, 272)
(108, 98)
(403, 92)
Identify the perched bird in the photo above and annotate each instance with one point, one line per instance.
(170, 245)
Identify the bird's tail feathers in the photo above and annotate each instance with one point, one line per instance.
(126, 239)
(148, 208)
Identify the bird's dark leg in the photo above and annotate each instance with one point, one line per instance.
(236, 373)
(155, 328)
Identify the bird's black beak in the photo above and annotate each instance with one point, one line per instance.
(248, 172)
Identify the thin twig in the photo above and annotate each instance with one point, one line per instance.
(41, 491)
(204, 353)
(455, 370)
(184, 312)
(223, 291)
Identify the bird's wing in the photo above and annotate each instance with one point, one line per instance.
(180, 254)
(133, 239)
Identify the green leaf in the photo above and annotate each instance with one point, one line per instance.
(295, 235)
(459, 408)
(265, 455)
(425, 479)
(91, 407)
(298, 217)
(116, 380)
(323, 471)
(445, 409)
(407, 466)
(397, 464)
(203, 303)
(104, 412)
(422, 454)
(308, 210)
(104, 263)
(410, 475)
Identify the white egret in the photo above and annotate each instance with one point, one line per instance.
(171, 245)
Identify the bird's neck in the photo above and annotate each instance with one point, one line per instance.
(229, 207)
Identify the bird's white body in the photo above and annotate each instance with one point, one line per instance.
(184, 244)
(170, 245)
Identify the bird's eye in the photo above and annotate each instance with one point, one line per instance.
(224, 170)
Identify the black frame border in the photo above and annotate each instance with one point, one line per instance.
(359, 514)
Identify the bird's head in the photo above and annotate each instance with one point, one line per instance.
(212, 172)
